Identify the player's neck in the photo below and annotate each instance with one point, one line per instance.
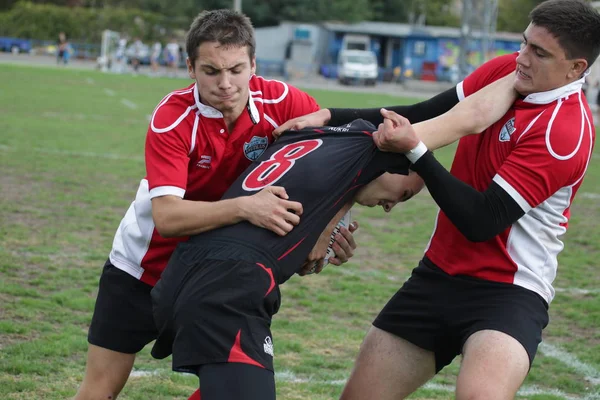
(231, 116)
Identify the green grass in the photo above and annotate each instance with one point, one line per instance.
(71, 157)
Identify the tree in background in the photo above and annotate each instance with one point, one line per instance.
(513, 14)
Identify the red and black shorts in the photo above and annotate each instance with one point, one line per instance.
(210, 310)
(439, 312)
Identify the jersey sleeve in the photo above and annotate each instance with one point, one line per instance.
(546, 160)
(168, 145)
(487, 73)
(384, 162)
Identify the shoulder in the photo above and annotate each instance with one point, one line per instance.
(273, 91)
(172, 109)
(487, 73)
(564, 128)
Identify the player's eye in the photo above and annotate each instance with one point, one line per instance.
(211, 72)
(236, 71)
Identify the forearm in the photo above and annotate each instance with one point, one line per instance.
(479, 216)
(338, 217)
(418, 112)
(472, 115)
(177, 217)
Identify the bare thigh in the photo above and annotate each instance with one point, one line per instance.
(106, 372)
(388, 367)
(494, 366)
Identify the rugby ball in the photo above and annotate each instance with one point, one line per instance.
(345, 222)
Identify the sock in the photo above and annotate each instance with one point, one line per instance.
(195, 395)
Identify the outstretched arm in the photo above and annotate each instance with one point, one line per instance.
(478, 215)
(472, 115)
(431, 108)
(417, 112)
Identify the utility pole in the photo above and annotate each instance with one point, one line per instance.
(490, 14)
(237, 5)
(465, 38)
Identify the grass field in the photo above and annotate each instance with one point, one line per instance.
(71, 157)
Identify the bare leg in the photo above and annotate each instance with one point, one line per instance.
(106, 372)
(493, 368)
(388, 367)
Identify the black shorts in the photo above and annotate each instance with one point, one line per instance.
(439, 312)
(212, 310)
(122, 319)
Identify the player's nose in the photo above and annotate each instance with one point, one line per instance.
(388, 205)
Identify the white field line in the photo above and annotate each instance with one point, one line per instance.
(577, 291)
(129, 104)
(90, 154)
(588, 195)
(290, 377)
(90, 81)
(109, 92)
(589, 372)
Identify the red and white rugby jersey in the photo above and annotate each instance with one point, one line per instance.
(191, 154)
(538, 152)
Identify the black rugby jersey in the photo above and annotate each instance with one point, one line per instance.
(322, 168)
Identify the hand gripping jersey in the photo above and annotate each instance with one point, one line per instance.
(191, 154)
(320, 168)
(538, 152)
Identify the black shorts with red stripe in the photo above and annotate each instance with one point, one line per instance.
(439, 312)
(214, 305)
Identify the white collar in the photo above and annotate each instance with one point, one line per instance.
(555, 94)
(211, 112)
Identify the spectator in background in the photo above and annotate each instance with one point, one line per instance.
(154, 56)
(120, 57)
(172, 57)
(136, 54)
(63, 49)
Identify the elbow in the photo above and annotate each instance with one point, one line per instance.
(164, 229)
(164, 225)
(166, 220)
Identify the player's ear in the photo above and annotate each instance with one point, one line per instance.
(190, 68)
(578, 67)
(253, 65)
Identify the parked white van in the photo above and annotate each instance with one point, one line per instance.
(357, 66)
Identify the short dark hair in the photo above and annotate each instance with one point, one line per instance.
(574, 23)
(227, 27)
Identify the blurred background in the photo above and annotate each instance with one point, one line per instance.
(398, 41)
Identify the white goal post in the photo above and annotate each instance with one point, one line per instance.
(108, 49)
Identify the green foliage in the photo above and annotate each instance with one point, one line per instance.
(513, 15)
(44, 21)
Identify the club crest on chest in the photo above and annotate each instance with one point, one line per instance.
(255, 147)
(507, 130)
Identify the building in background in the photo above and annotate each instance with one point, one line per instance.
(416, 52)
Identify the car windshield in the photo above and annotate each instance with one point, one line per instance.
(360, 59)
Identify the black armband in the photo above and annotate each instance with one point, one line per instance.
(479, 216)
